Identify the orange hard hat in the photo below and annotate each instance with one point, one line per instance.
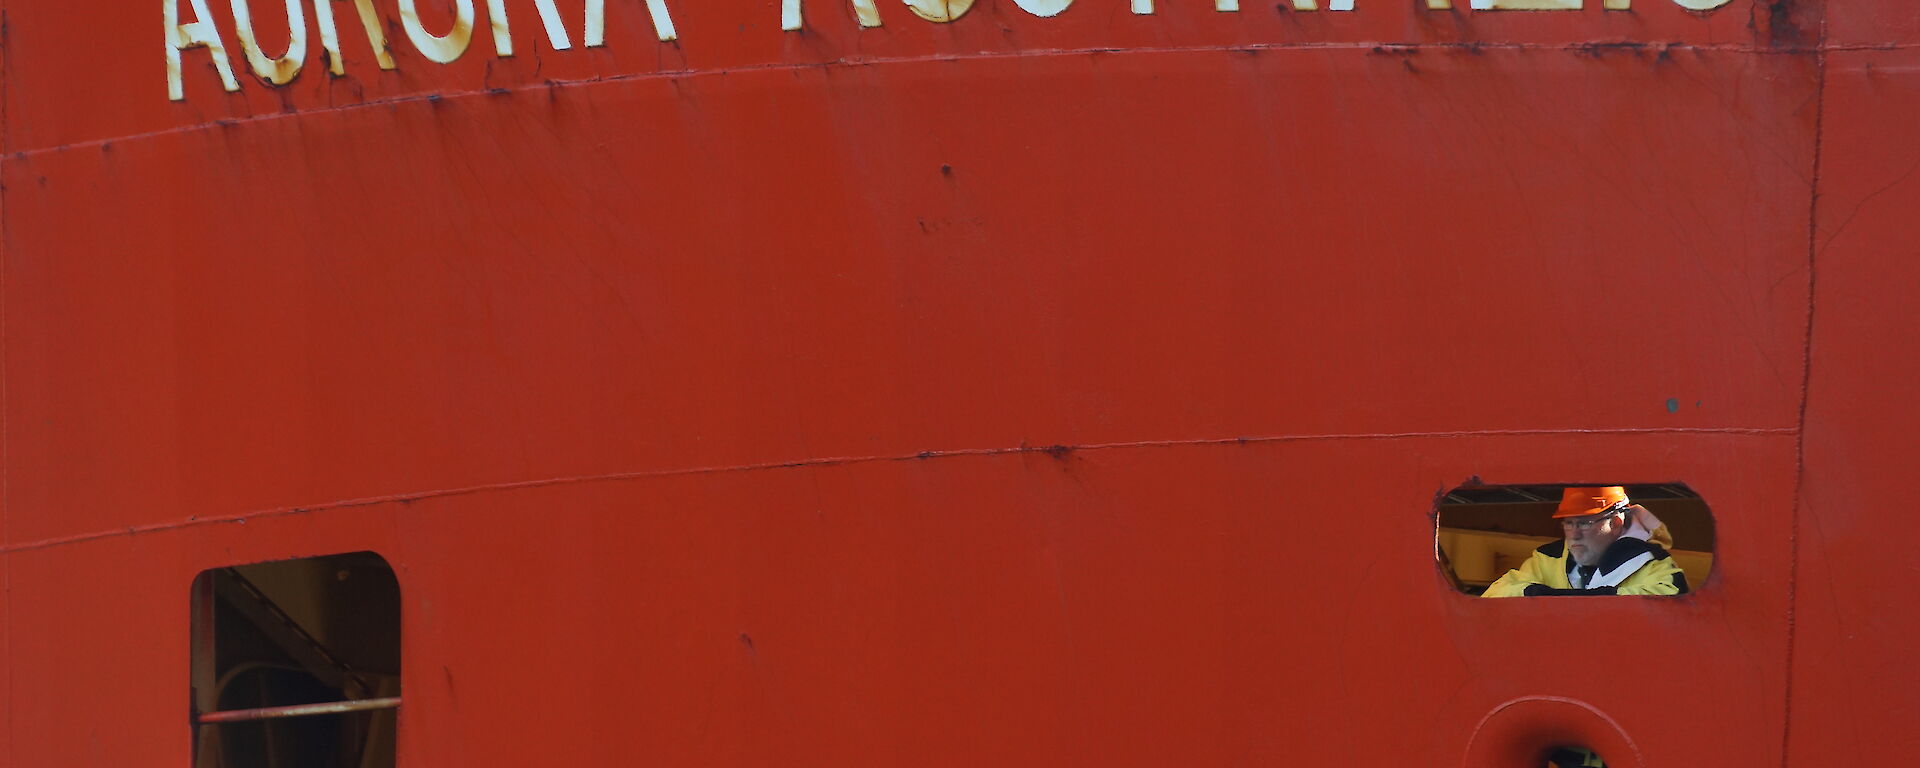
(1591, 500)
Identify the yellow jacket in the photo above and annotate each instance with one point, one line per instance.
(1630, 566)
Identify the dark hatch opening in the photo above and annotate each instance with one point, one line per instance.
(296, 664)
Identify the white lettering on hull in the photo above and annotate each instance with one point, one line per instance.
(281, 70)
(201, 33)
(446, 48)
(450, 46)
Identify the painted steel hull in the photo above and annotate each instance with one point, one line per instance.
(1013, 391)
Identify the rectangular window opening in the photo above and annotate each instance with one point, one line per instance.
(296, 664)
(1504, 540)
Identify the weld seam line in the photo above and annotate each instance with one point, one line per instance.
(6, 424)
(1585, 48)
(1806, 393)
(856, 460)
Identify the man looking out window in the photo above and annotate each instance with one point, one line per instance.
(1611, 547)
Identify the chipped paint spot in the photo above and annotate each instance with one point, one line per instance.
(1673, 405)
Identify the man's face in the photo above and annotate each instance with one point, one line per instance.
(1588, 537)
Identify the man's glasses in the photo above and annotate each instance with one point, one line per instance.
(1587, 524)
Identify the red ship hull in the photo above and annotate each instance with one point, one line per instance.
(1019, 390)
